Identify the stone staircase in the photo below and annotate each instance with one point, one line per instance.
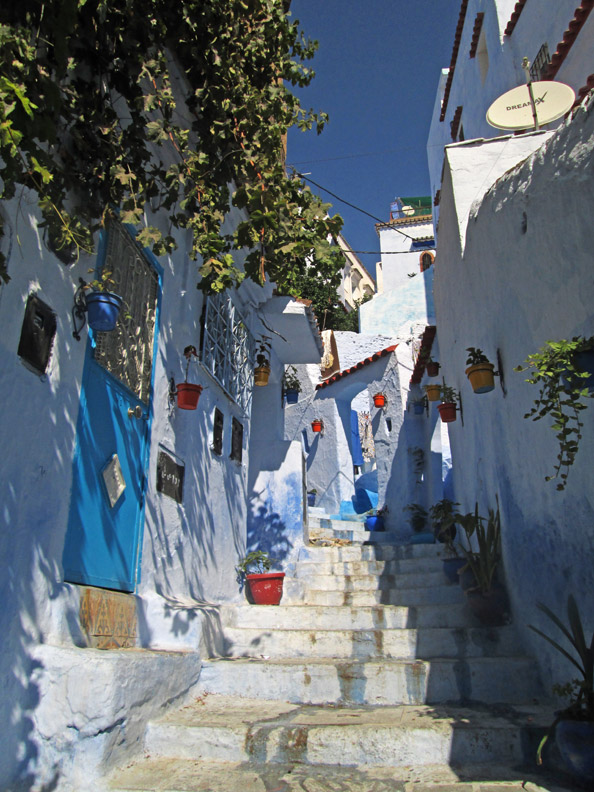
(370, 675)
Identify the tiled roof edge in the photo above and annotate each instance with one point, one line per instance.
(361, 364)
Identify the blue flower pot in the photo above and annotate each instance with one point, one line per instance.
(374, 523)
(311, 499)
(103, 309)
(418, 408)
(575, 741)
(292, 396)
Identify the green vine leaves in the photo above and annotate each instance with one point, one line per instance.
(118, 103)
(563, 394)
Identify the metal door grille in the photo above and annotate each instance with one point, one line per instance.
(127, 351)
(227, 349)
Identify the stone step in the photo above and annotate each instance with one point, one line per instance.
(360, 582)
(321, 617)
(358, 552)
(354, 534)
(416, 566)
(164, 774)
(374, 682)
(424, 643)
(407, 597)
(251, 730)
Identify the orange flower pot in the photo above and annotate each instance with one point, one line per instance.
(482, 377)
(188, 395)
(317, 426)
(379, 400)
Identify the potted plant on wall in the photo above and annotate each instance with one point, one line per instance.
(573, 726)
(447, 408)
(262, 369)
(560, 369)
(443, 519)
(432, 392)
(187, 392)
(265, 588)
(311, 497)
(102, 305)
(317, 425)
(375, 519)
(486, 597)
(379, 399)
(432, 368)
(291, 385)
(480, 372)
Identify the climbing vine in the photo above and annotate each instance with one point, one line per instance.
(181, 106)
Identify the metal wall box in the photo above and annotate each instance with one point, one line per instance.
(37, 334)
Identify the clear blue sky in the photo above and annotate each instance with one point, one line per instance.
(377, 70)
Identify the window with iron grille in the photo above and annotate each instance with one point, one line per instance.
(227, 349)
(540, 63)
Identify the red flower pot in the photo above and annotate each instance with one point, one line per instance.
(432, 369)
(188, 395)
(379, 400)
(447, 411)
(316, 426)
(266, 588)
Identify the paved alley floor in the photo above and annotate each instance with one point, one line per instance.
(175, 775)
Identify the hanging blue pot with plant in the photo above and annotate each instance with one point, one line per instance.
(103, 309)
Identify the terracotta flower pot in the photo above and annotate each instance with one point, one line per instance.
(379, 400)
(432, 369)
(188, 395)
(447, 411)
(481, 377)
(432, 392)
(261, 374)
(266, 588)
(316, 426)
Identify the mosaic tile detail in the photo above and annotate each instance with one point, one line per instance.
(108, 618)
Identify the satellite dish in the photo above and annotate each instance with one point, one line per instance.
(407, 210)
(513, 109)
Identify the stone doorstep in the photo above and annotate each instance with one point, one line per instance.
(404, 643)
(328, 617)
(173, 775)
(242, 730)
(374, 682)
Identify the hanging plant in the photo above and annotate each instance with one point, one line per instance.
(188, 393)
(563, 381)
(480, 371)
(262, 369)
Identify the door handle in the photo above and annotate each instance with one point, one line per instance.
(135, 412)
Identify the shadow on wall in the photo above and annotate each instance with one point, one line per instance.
(268, 532)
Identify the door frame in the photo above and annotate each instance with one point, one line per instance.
(89, 361)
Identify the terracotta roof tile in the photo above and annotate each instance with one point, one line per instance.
(361, 364)
(426, 344)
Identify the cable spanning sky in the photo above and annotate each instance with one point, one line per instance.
(377, 70)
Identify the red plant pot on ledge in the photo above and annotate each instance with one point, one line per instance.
(266, 588)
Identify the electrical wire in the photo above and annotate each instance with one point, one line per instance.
(348, 203)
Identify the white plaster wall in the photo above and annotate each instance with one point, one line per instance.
(524, 278)
(540, 22)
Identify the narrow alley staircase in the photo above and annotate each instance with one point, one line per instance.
(370, 675)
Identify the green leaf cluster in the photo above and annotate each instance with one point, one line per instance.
(484, 561)
(121, 103)
(563, 396)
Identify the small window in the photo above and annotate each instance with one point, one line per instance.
(482, 55)
(37, 335)
(540, 64)
(425, 261)
(217, 432)
(236, 440)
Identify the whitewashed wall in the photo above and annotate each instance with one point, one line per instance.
(544, 21)
(522, 278)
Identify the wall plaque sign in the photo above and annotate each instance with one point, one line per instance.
(170, 477)
(113, 478)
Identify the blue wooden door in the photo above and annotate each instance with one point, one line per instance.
(103, 541)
